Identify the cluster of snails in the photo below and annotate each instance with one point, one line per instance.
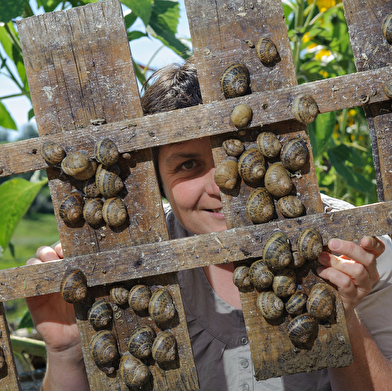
(279, 293)
(143, 344)
(98, 200)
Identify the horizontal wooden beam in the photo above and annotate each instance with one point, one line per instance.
(236, 244)
(358, 89)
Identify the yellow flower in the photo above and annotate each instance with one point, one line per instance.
(320, 54)
(324, 74)
(323, 5)
(352, 112)
(306, 38)
(311, 46)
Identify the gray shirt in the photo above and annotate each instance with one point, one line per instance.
(218, 334)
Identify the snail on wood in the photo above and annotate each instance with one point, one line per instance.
(114, 212)
(284, 284)
(90, 189)
(260, 206)
(260, 276)
(241, 277)
(71, 208)
(386, 28)
(388, 88)
(234, 80)
(233, 147)
(140, 342)
(161, 307)
(79, 166)
(301, 329)
(119, 295)
(251, 166)
(270, 305)
(104, 351)
(290, 206)
(106, 152)
(298, 260)
(294, 154)
(296, 303)
(321, 301)
(52, 152)
(133, 372)
(305, 108)
(268, 144)
(277, 180)
(73, 286)
(241, 115)
(277, 251)
(164, 347)
(266, 51)
(139, 297)
(310, 243)
(100, 314)
(92, 211)
(226, 174)
(108, 181)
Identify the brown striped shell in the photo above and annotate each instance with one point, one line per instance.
(305, 108)
(119, 295)
(164, 347)
(140, 342)
(260, 276)
(90, 189)
(284, 284)
(73, 286)
(310, 243)
(104, 351)
(139, 297)
(161, 307)
(321, 301)
(79, 166)
(301, 329)
(106, 152)
(71, 208)
(52, 152)
(100, 314)
(386, 28)
(241, 115)
(296, 303)
(114, 212)
(260, 206)
(92, 211)
(294, 154)
(251, 166)
(277, 251)
(235, 80)
(226, 174)
(266, 51)
(241, 277)
(108, 181)
(270, 305)
(298, 260)
(388, 88)
(133, 372)
(233, 147)
(268, 144)
(277, 180)
(290, 206)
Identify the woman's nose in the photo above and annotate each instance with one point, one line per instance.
(211, 186)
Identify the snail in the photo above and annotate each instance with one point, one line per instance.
(251, 166)
(140, 342)
(266, 51)
(234, 80)
(270, 305)
(233, 147)
(321, 301)
(290, 206)
(277, 181)
(284, 283)
(100, 314)
(226, 174)
(133, 372)
(90, 189)
(388, 88)
(103, 350)
(161, 307)
(241, 115)
(305, 109)
(119, 295)
(52, 152)
(386, 28)
(301, 329)
(139, 297)
(114, 212)
(164, 347)
(298, 260)
(294, 154)
(108, 181)
(71, 208)
(241, 277)
(268, 144)
(106, 152)
(73, 286)
(310, 243)
(296, 303)
(276, 251)
(260, 276)
(79, 166)
(260, 206)
(92, 211)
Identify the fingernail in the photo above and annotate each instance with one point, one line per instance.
(334, 244)
(323, 258)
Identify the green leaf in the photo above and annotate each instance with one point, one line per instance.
(5, 41)
(10, 9)
(324, 126)
(16, 195)
(6, 121)
(129, 19)
(136, 35)
(141, 8)
(26, 321)
(349, 154)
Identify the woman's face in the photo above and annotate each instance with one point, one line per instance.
(187, 174)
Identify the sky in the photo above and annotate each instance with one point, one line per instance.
(142, 50)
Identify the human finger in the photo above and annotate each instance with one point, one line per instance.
(46, 254)
(373, 244)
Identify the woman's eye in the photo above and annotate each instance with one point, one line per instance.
(188, 165)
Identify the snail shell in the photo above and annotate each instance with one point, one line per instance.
(241, 115)
(294, 154)
(290, 206)
(114, 212)
(90, 189)
(106, 152)
(251, 166)
(277, 252)
(301, 329)
(266, 51)
(268, 144)
(386, 28)
(298, 260)
(233, 147)
(92, 211)
(241, 277)
(79, 166)
(71, 208)
(103, 350)
(52, 152)
(305, 109)
(310, 243)
(235, 80)
(140, 342)
(108, 181)
(321, 301)
(260, 206)
(164, 347)
(277, 181)
(260, 276)
(284, 283)
(296, 303)
(100, 314)
(133, 372)
(388, 88)
(226, 174)
(73, 286)
(139, 297)
(270, 305)
(161, 307)
(119, 295)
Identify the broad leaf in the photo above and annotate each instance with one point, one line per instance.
(142, 8)
(26, 321)
(6, 121)
(10, 9)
